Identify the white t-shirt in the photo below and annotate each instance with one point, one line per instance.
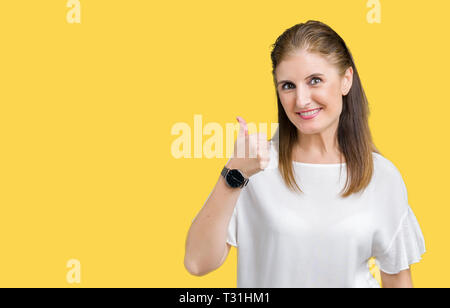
(319, 239)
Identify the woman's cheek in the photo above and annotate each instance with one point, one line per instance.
(321, 99)
(326, 97)
(287, 101)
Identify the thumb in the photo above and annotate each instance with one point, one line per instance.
(243, 130)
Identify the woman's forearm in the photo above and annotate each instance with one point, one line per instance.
(206, 239)
(401, 280)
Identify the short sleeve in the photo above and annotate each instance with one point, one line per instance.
(406, 248)
(398, 240)
(232, 229)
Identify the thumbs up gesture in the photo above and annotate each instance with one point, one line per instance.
(251, 152)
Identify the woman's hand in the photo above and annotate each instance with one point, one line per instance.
(251, 152)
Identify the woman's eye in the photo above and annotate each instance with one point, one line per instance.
(288, 83)
(314, 81)
(315, 78)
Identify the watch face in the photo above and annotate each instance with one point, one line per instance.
(235, 178)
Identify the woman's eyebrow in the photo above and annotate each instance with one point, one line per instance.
(314, 74)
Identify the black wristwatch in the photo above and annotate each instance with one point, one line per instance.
(234, 178)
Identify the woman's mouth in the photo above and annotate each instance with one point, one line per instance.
(309, 115)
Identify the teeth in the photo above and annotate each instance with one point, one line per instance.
(310, 113)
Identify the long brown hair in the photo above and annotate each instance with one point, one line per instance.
(353, 133)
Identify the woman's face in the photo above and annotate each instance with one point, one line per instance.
(308, 81)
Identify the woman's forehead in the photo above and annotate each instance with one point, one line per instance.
(302, 64)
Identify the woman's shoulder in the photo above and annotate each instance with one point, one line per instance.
(386, 170)
(273, 163)
(383, 163)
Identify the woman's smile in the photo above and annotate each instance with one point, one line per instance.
(309, 115)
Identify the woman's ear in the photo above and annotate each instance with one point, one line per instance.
(347, 81)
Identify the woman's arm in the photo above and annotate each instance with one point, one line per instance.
(399, 280)
(206, 247)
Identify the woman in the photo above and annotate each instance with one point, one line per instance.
(324, 233)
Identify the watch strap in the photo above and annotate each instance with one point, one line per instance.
(224, 171)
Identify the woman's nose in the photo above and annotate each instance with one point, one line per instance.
(303, 98)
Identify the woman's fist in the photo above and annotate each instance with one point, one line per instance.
(251, 152)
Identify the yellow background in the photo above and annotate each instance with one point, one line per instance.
(86, 170)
